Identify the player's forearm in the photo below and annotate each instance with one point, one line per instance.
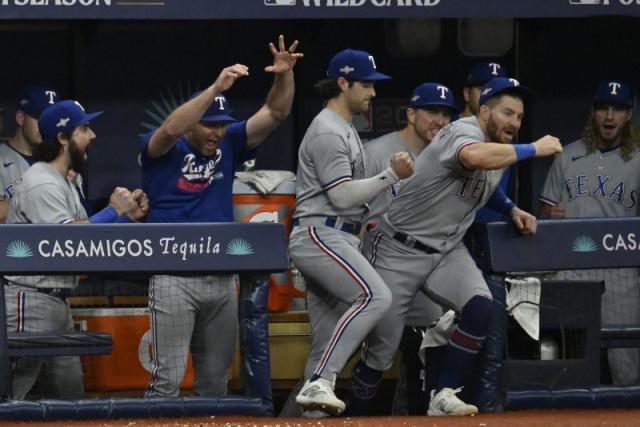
(500, 202)
(356, 193)
(188, 114)
(487, 156)
(280, 97)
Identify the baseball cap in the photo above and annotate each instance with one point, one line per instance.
(614, 92)
(218, 111)
(432, 94)
(354, 65)
(482, 72)
(34, 99)
(63, 116)
(502, 85)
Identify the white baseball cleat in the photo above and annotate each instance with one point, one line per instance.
(447, 403)
(318, 396)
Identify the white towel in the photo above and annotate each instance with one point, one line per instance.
(438, 333)
(263, 181)
(523, 303)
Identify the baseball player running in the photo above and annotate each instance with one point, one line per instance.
(429, 109)
(418, 243)
(597, 177)
(188, 165)
(331, 194)
(17, 154)
(45, 196)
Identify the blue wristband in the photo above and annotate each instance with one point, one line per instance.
(106, 215)
(524, 151)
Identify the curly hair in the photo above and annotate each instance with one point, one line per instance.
(630, 138)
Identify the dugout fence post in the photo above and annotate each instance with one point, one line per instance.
(254, 337)
(5, 367)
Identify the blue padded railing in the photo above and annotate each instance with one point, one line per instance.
(254, 250)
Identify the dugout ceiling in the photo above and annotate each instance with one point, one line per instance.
(311, 9)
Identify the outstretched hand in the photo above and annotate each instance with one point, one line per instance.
(283, 59)
(229, 75)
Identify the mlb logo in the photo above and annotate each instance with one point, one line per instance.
(280, 2)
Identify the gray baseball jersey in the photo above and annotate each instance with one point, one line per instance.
(44, 196)
(378, 153)
(330, 153)
(438, 203)
(597, 185)
(13, 166)
(592, 185)
(435, 206)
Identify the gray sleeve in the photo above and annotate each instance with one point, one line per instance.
(330, 156)
(455, 140)
(46, 204)
(552, 189)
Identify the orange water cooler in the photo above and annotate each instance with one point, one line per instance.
(275, 207)
(129, 364)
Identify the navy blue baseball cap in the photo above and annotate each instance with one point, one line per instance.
(218, 111)
(613, 92)
(482, 72)
(63, 116)
(34, 99)
(432, 94)
(501, 85)
(354, 65)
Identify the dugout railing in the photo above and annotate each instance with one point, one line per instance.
(567, 245)
(253, 250)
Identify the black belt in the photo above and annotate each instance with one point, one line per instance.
(407, 240)
(330, 221)
(61, 293)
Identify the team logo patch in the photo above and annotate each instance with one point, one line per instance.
(19, 249)
(584, 243)
(239, 246)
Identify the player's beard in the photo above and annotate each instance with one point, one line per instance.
(78, 162)
(494, 130)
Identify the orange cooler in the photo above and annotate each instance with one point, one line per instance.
(275, 207)
(128, 366)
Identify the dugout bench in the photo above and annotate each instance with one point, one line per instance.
(254, 250)
(561, 245)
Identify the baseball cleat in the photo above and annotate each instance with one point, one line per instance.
(318, 396)
(447, 403)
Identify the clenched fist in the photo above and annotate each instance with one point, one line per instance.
(121, 200)
(402, 164)
(547, 146)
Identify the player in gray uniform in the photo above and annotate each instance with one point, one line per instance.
(331, 193)
(16, 154)
(418, 244)
(429, 109)
(45, 196)
(598, 176)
